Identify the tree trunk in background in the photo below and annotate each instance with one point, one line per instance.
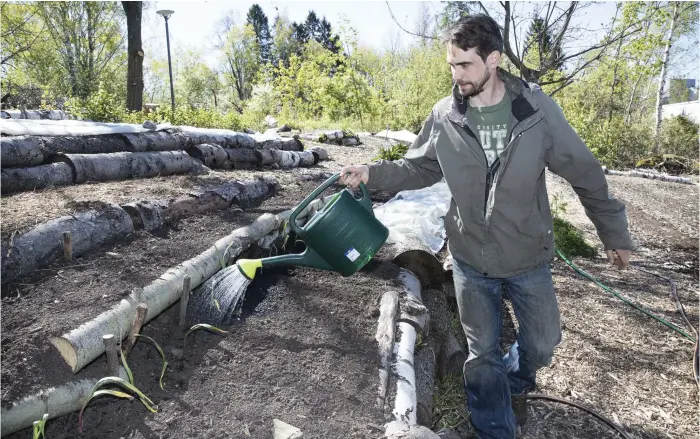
(662, 81)
(134, 81)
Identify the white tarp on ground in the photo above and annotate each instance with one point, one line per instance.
(44, 127)
(402, 136)
(419, 213)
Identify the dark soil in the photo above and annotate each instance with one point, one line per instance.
(303, 351)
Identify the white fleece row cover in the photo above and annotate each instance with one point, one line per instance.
(46, 127)
(418, 213)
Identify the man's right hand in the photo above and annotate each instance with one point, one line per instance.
(352, 175)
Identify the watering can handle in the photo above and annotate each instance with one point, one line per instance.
(365, 201)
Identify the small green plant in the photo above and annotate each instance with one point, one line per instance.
(392, 153)
(94, 393)
(130, 375)
(569, 240)
(162, 356)
(449, 409)
(39, 426)
(203, 326)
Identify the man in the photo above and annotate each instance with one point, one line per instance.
(491, 141)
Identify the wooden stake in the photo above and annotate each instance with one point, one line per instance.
(67, 246)
(141, 311)
(110, 343)
(184, 300)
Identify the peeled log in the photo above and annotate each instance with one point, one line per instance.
(44, 243)
(82, 345)
(386, 329)
(20, 151)
(36, 177)
(56, 401)
(213, 156)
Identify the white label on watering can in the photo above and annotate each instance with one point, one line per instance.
(352, 254)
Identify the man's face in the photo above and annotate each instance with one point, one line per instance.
(469, 71)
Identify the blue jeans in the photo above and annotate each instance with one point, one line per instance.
(490, 378)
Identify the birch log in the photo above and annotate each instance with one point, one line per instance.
(213, 156)
(36, 177)
(103, 144)
(56, 401)
(241, 158)
(44, 244)
(125, 165)
(83, 344)
(21, 151)
(386, 329)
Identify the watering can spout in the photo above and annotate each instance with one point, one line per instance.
(309, 258)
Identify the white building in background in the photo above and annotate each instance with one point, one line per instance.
(691, 110)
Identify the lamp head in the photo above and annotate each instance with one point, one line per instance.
(166, 13)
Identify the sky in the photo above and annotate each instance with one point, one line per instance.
(193, 25)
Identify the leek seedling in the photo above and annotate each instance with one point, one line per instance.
(162, 356)
(126, 367)
(94, 393)
(203, 326)
(38, 427)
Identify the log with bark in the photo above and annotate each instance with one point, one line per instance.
(56, 401)
(44, 244)
(83, 344)
(651, 176)
(36, 177)
(21, 151)
(412, 254)
(155, 141)
(126, 165)
(213, 156)
(241, 158)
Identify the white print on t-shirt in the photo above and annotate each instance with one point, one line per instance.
(498, 134)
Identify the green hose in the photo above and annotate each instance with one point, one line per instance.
(624, 299)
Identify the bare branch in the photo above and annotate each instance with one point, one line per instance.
(408, 32)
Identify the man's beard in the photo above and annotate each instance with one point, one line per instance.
(475, 88)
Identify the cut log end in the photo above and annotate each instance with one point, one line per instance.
(67, 351)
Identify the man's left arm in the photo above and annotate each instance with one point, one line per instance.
(569, 158)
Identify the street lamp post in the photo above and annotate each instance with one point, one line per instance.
(166, 14)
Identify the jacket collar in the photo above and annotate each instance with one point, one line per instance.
(523, 105)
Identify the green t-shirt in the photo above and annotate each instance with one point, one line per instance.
(492, 126)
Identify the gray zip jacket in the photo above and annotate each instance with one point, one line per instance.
(499, 221)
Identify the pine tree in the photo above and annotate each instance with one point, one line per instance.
(258, 19)
(539, 38)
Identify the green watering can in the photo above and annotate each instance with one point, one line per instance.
(341, 237)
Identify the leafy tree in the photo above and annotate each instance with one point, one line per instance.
(258, 20)
(239, 58)
(87, 38)
(678, 91)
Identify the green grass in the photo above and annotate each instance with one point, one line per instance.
(449, 409)
(392, 153)
(569, 240)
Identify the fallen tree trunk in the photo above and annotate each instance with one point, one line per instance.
(213, 156)
(241, 158)
(126, 165)
(44, 244)
(16, 151)
(56, 401)
(36, 177)
(155, 141)
(82, 345)
(413, 255)
(280, 143)
(386, 329)
(651, 176)
(286, 159)
(103, 144)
